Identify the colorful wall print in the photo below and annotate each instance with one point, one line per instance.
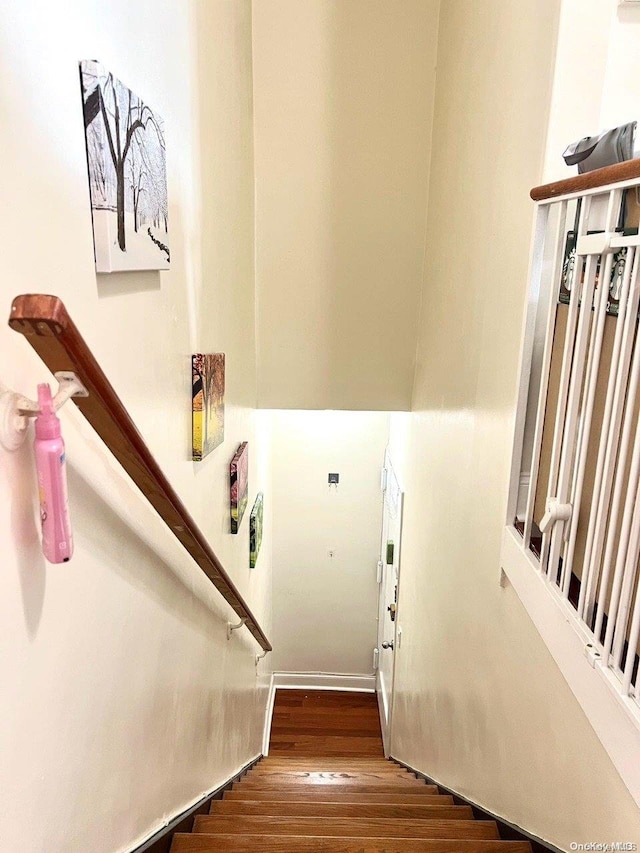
(239, 485)
(255, 530)
(126, 156)
(207, 403)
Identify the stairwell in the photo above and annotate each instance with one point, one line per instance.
(326, 786)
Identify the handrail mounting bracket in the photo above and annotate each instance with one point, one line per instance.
(16, 409)
(231, 627)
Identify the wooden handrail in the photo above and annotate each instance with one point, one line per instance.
(589, 180)
(44, 321)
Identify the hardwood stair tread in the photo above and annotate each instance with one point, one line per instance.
(318, 699)
(205, 843)
(345, 777)
(291, 765)
(300, 759)
(333, 749)
(343, 789)
(327, 767)
(345, 827)
(276, 777)
(332, 795)
(349, 718)
(305, 712)
(326, 744)
(364, 810)
(303, 759)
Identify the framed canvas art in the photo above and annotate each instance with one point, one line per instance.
(255, 530)
(126, 158)
(207, 403)
(239, 482)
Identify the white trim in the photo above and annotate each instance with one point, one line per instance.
(614, 717)
(324, 681)
(268, 717)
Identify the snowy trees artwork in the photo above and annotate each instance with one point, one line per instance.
(126, 156)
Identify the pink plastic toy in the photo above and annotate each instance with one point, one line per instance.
(57, 540)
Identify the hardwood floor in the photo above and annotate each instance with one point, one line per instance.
(325, 723)
(326, 787)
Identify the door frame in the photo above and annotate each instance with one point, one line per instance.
(386, 724)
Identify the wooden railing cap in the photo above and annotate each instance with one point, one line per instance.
(626, 171)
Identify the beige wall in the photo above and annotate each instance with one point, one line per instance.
(123, 700)
(343, 103)
(479, 703)
(325, 607)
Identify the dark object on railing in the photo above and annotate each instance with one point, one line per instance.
(50, 331)
(626, 171)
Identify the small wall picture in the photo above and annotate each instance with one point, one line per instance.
(255, 530)
(207, 403)
(126, 157)
(239, 485)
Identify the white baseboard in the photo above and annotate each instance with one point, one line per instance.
(324, 681)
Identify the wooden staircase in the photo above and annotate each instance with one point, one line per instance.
(353, 804)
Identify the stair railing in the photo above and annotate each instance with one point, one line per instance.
(571, 546)
(47, 326)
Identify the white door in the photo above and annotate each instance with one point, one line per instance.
(389, 579)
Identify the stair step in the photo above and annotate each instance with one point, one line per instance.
(418, 797)
(325, 745)
(306, 760)
(294, 777)
(289, 700)
(351, 722)
(328, 751)
(304, 769)
(360, 759)
(395, 788)
(264, 768)
(327, 713)
(364, 810)
(202, 843)
(277, 778)
(343, 827)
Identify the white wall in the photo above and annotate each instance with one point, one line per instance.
(596, 84)
(325, 608)
(343, 104)
(123, 700)
(480, 705)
